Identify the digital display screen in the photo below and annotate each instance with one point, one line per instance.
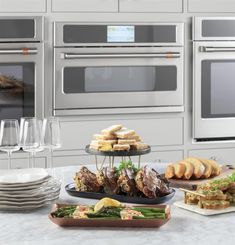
(120, 34)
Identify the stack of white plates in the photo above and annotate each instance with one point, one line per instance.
(25, 189)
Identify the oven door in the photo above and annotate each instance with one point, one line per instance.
(214, 90)
(21, 80)
(117, 78)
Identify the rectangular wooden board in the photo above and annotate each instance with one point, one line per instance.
(192, 184)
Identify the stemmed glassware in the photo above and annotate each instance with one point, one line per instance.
(9, 137)
(31, 137)
(51, 136)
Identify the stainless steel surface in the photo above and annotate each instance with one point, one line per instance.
(59, 42)
(197, 29)
(216, 49)
(162, 109)
(38, 25)
(117, 99)
(150, 55)
(23, 51)
(216, 127)
(35, 57)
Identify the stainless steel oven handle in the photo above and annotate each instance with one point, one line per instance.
(23, 51)
(154, 55)
(216, 49)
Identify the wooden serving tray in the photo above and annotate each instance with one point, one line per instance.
(141, 223)
(192, 184)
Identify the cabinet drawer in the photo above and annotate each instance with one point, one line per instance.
(211, 6)
(23, 6)
(151, 6)
(223, 156)
(84, 5)
(163, 157)
(22, 162)
(61, 161)
(156, 132)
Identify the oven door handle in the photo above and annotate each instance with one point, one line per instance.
(93, 56)
(216, 49)
(23, 51)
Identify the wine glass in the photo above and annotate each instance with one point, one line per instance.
(51, 136)
(31, 137)
(9, 137)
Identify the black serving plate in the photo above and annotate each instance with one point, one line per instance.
(70, 188)
(118, 153)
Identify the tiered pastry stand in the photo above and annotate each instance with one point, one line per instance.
(112, 154)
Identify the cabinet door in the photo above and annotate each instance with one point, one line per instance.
(150, 6)
(211, 6)
(84, 5)
(23, 6)
(155, 132)
(223, 156)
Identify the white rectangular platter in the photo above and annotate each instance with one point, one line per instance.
(206, 212)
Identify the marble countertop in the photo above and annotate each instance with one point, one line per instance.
(184, 227)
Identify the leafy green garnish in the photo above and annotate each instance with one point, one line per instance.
(232, 177)
(126, 164)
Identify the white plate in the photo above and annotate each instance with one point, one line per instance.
(27, 207)
(18, 176)
(29, 203)
(202, 211)
(29, 198)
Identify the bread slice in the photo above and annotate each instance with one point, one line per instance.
(215, 204)
(124, 133)
(179, 169)
(216, 169)
(111, 129)
(118, 147)
(189, 169)
(208, 168)
(199, 168)
(126, 141)
(170, 171)
(104, 137)
(139, 146)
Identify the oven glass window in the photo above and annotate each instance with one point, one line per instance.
(218, 88)
(119, 79)
(17, 90)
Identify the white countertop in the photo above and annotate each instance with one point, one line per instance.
(184, 227)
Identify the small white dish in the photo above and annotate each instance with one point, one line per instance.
(19, 176)
(202, 211)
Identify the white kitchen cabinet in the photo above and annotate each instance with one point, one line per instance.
(84, 5)
(211, 6)
(40, 162)
(155, 132)
(163, 156)
(73, 160)
(223, 156)
(23, 6)
(151, 6)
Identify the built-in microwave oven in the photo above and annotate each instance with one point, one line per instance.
(118, 67)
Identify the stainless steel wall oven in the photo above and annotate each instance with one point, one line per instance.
(101, 67)
(214, 78)
(21, 67)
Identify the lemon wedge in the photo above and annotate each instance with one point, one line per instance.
(106, 202)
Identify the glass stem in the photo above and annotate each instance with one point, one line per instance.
(33, 158)
(9, 159)
(29, 162)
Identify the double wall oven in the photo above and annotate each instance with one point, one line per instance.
(214, 78)
(21, 67)
(118, 67)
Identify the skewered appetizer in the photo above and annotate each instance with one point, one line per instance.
(216, 194)
(193, 168)
(124, 180)
(117, 138)
(108, 208)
